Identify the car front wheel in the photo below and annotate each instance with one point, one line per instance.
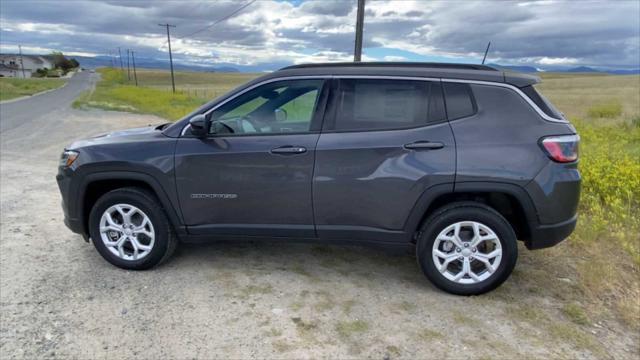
(130, 229)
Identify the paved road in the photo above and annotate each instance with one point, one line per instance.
(16, 113)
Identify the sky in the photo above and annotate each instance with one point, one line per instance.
(269, 34)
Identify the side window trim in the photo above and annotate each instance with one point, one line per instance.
(329, 78)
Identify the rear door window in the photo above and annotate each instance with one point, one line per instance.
(380, 104)
(459, 100)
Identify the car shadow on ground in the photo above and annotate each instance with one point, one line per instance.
(314, 261)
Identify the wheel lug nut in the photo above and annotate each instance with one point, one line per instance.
(458, 249)
(466, 245)
(474, 250)
(461, 258)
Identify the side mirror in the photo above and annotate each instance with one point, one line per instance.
(199, 125)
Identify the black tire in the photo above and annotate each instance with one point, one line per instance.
(165, 237)
(467, 211)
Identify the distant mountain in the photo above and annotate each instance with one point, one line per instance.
(149, 63)
(587, 69)
(625, 72)
(582, 69)
(579, 69)
(146, 63)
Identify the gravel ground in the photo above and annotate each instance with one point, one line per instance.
(60, 299)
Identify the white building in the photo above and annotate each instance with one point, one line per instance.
(13, 71)
(11, 65)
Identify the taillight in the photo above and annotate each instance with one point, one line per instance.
(563, 148)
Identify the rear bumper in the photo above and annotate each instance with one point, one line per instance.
(555, 193)
(544, 236)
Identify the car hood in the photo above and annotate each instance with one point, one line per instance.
(129, 135)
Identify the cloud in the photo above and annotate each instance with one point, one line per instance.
(557, 61)
(270, 33)
(394, 58)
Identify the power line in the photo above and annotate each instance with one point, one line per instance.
(173, 81)
(357, 52)
(217, 21)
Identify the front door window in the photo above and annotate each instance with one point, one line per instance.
(276, 108)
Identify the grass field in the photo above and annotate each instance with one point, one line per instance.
(11, 88)
(600, 260)
(154, 95)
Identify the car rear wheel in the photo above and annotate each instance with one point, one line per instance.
(130, 230)
(467, 248)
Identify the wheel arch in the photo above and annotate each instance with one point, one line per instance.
(510, 200)
(97, 184)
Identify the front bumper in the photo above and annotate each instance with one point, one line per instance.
(544, 236)
(66, 189)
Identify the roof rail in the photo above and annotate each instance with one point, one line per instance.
(393, 64)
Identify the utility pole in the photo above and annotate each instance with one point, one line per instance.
(128, 67)
(173, 81)
(357, 52)
(21, 62)
(135, 75)
(120, 57)
(486, 52)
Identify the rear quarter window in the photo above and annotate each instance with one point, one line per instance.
(544, 104)
(459, 100)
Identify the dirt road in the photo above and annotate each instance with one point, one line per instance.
(58, 298)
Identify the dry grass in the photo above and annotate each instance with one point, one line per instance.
(576, 94)
(203, 85)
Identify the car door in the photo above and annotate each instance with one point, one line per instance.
(252, 174)
(384, 143)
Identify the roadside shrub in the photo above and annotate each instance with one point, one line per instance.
(608, 110)
(610, 200)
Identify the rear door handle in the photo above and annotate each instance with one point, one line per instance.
(289, 150)
(424, 145)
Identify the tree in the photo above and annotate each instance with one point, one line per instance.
(62, 63)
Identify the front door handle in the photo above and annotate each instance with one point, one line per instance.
(289, 150)
(424, 145)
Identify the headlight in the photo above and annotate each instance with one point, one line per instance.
(68, 157)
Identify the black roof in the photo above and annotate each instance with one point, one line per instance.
(431, 65)
(475, 72)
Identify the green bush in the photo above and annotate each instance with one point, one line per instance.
(610, 199)
(608, 110)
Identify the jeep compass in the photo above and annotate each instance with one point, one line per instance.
(457, 161)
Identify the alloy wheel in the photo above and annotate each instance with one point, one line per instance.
(127, 232)
(467, 252)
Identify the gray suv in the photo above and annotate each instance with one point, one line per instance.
(458, 161)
